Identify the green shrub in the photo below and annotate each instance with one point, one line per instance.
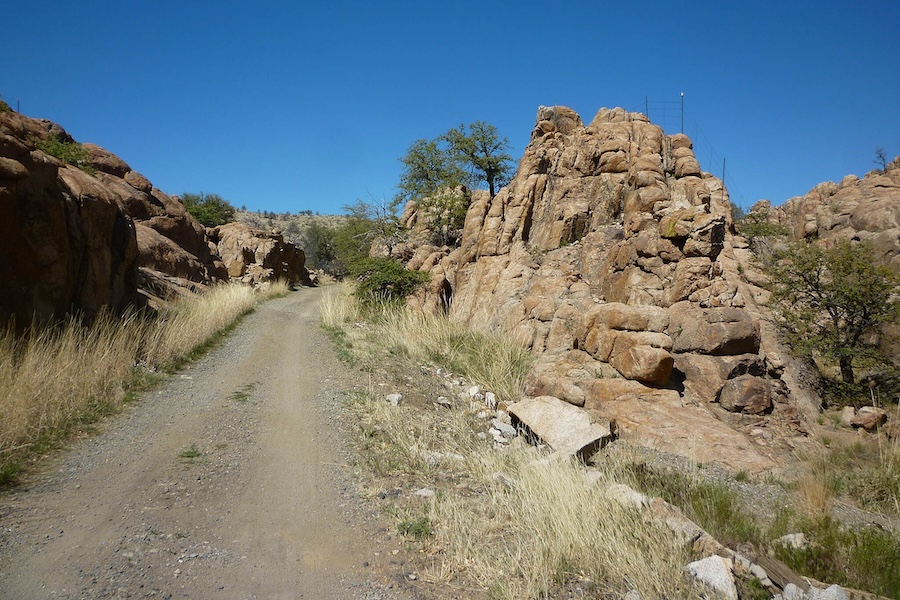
(385, 280)
(210, 209)
(71, 153)
(867, 559)
(4, 107)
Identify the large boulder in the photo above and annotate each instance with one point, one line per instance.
(747, 394)
(869, 418)
(566, 429)
(718, 331)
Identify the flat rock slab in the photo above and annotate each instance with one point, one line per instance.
(567, 429)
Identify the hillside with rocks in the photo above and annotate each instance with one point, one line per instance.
(78, 238)
(611, 255)
(865, 209)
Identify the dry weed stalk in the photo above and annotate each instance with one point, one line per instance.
(496, 361)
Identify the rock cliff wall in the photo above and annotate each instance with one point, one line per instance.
(76, 240)
(67, 242)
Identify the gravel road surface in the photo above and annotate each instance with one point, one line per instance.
(227, 481)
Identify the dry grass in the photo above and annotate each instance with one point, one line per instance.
(58, 378)
(495, 361)
(505, 522)
(511, 521)
(186, 326)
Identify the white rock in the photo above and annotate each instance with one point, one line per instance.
(792, 592)
(715, 572)
(847, 414)
(792, 540)
(491, 400)
(394, 399)
(473, 391)
(567, 429)
(506, 430)
(758, 572)
(424, 492)
(835, 592)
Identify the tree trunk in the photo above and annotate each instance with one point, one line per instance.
(847, 369)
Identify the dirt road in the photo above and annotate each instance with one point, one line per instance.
(228, 481)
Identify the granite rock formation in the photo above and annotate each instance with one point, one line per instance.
(610, 256)
(254, 256)
(865, 209)
(76, 239)
(67, 241)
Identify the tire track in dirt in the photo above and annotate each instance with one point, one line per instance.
(225, 482)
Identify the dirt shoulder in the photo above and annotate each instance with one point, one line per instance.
(228, 481)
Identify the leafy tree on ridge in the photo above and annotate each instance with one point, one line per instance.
(829, 300)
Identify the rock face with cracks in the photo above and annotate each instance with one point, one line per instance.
(92, 234)
(609, 255)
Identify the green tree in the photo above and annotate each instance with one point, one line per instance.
(484, 152)
(210, 209)
(429, 168)
(829, 300)
(439, 173)
(319, 245)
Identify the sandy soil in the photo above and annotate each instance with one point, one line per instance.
(228, 481)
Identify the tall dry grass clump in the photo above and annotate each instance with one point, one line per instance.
(495, 360)
(58, 377)
(186, 325)
(55, 376)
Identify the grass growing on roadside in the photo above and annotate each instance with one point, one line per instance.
(511, 521)
(56, 380)
(713, 506)
(864, 558)
(521, 526)
(367, 334)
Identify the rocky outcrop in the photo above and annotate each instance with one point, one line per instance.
(67, 241)
(610, 255)
(76, 239)
(866, 209)
(254, 256)
(172, 246)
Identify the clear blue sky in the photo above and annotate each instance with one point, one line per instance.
(288, 106)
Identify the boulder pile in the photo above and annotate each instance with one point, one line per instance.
(610, 256)
(866, 209)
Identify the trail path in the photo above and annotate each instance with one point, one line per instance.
(226, 482)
